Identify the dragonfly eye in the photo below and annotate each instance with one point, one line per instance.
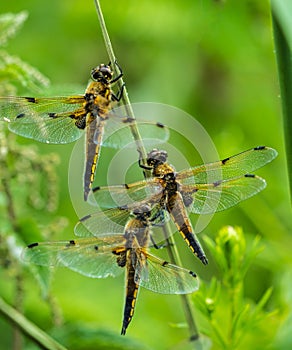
(102, 73)
(156, 157)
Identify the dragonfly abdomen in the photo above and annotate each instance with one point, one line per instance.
(131, 294)
(177, 211)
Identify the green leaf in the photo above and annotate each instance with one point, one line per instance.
(81, 337)
(282, 25)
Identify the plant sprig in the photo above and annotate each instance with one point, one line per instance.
(241, 316)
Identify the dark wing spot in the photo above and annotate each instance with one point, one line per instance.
(30, 99)
(217, 183)
(192, 274)
(259, 148)
(96, 189)
(121, 260)
(128, 120)
(80, 122)
(225, 160)
(21, 115)
(96, 247)
(85, 217)
(249, 175)
(160, 125)
(165, 263)
(52, 115)
(71, 243)
(32, 245)
(126, 186)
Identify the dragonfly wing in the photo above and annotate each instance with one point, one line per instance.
(159, 276)
(90, 257)
(221, 195)
(48, 120)
(119, 132)
(235, 166)
(108, 221)
(128, 194)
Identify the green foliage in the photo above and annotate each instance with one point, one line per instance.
(79, 337)
(9, 25)
(28, 185)
(213, 59)
(12, 69)
(231, 317)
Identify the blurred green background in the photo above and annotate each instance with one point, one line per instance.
(216, 61)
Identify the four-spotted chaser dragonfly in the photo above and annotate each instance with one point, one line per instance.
(98, 254)
(203, 189)
(62, 120)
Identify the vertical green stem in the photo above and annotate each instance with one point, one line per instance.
(185, 299)
(173, 253)
(18, 304)
(125, 97)
(281, 17)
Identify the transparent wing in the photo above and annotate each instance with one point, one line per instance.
(128, 194)
(218, 196)
(48, 120)
(101, 222)
(238, 165)
(119, 131)
(114, 221)
(91, 257)
(159, 276)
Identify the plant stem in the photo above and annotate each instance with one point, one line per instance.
(18, 304)
(185, 299)
(27, 327)
(121, 84)
(172, 251)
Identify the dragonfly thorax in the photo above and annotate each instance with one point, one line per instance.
(171, 184)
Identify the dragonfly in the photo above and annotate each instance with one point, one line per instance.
(61, 120)
(202, 189)
(98, 254)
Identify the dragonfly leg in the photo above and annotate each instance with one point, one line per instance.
(141, 165)
(120, 75)
(160, 246)
(119, 95)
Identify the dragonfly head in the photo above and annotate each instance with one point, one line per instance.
(156, 157)
(102, 74)
(143, 211)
